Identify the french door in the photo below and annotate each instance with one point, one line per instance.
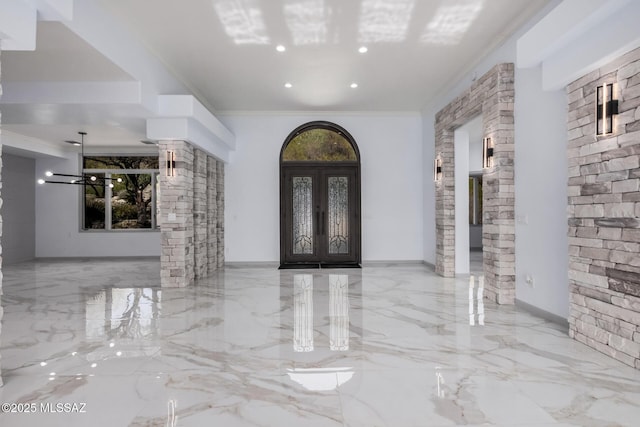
(320, 215)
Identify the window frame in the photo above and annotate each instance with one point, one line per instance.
(155, 173)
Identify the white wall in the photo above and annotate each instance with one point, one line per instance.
(475, 147)
(392, 183)
(541, 194)
(18, 209)
(58, 222)
(461, 161)
(429, 190)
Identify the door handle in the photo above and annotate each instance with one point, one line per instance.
(323, 223)
(317, 222)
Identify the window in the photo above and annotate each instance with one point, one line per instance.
(124, 196)
(475, 200)
(319, 144)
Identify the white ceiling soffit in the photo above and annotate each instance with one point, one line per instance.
(579, 36)
(18, 20)
(182, 117)
(86, 74)
(15, 143)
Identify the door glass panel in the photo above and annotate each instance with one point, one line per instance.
(302, 215)
(338, 214)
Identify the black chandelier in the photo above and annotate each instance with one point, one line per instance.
(80, 178)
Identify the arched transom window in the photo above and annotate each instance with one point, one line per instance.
(319, 144)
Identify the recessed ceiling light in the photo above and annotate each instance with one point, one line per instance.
(363, 49)
(354, 85)
(288, 85)
(280, 48)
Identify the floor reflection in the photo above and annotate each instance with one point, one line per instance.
(317, 298)
(476, 301)
(316, 316)
(339, 312)
(303, 312)
(321, 379)
(126, 320)
(130, 313)
(303, 326)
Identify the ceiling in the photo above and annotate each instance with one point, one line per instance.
(224, 52)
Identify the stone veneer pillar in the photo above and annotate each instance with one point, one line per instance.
(200, 214)
(212, 217)
(176, 217)
(604, 214)
(492, 95)
(220, 208)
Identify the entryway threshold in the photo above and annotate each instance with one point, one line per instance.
(315, 265)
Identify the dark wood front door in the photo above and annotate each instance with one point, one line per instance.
(320, 215)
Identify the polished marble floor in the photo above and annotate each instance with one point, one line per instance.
(382, 346)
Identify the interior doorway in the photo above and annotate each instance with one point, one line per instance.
(475, 223)
(319, 198)
(468, 197)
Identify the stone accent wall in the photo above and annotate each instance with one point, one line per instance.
(200, 214)
(212, 218)
(176, 216)
(220, 203)
(604, 214)
(492, 95)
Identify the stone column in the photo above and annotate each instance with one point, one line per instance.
(220, 203)
(498, 191)
(212, 215)
(445, 202)
(176, 216)
(200, 222)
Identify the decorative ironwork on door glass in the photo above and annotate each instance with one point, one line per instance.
(338, 214)
(302, 215)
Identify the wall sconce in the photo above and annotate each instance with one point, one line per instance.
(437, 169)
(487, 153)
(171, 163)
(606, 108)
